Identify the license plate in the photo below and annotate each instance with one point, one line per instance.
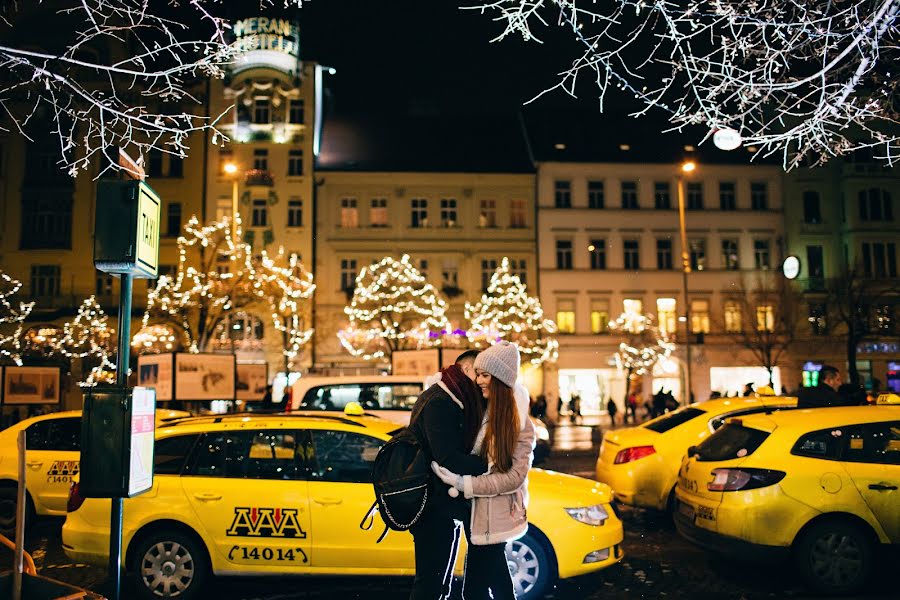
(686, 510)
(706, 512)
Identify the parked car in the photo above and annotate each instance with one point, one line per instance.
(285, 494)
(818, 486)
(641, 463)
(390, 397)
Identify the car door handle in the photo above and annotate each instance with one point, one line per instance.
(205, 496)
(34, 464)
(327, 501)
(882, 487)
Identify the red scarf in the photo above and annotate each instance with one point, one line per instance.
(473, 403)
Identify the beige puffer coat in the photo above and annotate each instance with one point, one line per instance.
(500, 499)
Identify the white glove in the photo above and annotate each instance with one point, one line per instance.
(450, 478)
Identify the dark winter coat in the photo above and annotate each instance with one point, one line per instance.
(818, 397)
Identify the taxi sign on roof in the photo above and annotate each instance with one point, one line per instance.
(888, 399)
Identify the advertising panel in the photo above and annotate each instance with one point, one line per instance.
(155, 371)
(252, 380)
(143, 408)
(420, 363)
(204, 376)
(31, 385)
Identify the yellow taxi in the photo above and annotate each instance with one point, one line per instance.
(641, 463)
(286, 494)
(53, 449)
(818, 485)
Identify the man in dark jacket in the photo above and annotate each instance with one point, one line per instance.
(825, 393)
(442, 419)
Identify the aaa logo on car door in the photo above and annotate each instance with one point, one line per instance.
(259, 521)
(62, 471)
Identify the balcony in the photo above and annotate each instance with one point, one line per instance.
(260, 177)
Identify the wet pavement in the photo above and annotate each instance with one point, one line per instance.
(657, 563)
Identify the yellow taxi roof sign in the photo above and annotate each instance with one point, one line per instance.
(888, 399)
(765, 391)
(354, 409)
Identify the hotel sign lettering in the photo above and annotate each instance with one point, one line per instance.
(261, 41)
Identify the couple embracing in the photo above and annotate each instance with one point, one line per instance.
(473, 422)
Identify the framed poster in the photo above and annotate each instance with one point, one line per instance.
(31, 385)
(420, 363)
(252, 379)
(204, 376)
(155, 371)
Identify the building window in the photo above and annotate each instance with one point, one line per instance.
(665, 316)
(488, 267)
(730, 256)
(517, 219)
(879, 259)
(727, 197)
(423, 267)
(349, 213)
(662, 197)
(816, 318)
(46, 219)
(565, 316)
(698, 254)
(261, 159)
(45, 281)
(812, 210)
(815, 265)
(599, 316)
(562, 194)
(419, 212)
(699, 316)
(223, 208)
(630, 195)
(694, 195)
(173, 219)
(564, 254)
(450, 274)
(295, 212)
(295, 162)
(348, 274)
(176, 166)
(448, 212)
(875, 205)
(664, 255)
(732, 317)
(761, 254)
(103, 285)
(517, 267)
(295, 111)
(378, 212)
(632, 307)
(595, 194)
(597, 251)
(262, 112)
(154, 163)
(759, 195)
(488, 215)
(632, 251)
(260, 214)
(765, 318)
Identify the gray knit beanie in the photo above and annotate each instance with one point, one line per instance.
(500, 360)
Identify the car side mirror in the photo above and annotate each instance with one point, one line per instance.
(693, 451)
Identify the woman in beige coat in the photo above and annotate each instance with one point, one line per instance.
(500, 497)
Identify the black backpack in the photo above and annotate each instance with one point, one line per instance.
(401, 476)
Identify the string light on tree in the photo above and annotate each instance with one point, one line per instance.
(393, 308)
(12, 318)
(643, 344)
(288, 288)
(89, 337)
(507, 312)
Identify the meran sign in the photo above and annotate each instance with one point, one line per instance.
(264, 42)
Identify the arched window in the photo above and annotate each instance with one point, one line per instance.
(242, 330)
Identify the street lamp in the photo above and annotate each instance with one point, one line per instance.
(687, 168)
(231, 169)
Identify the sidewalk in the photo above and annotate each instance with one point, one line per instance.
(584, 436)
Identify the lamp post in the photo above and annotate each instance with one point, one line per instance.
(231, 169)
(686, 168)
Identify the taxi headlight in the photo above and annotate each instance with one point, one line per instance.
(595, 515)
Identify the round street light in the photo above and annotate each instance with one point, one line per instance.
(791, 267)
(230, 168)
(689, 166)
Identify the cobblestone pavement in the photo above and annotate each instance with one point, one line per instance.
(657, 563)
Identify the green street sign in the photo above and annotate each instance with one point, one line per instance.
(126, 231)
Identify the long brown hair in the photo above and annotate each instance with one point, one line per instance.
(502, 426)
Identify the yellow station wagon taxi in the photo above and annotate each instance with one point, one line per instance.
(641, 463)
(285, 494)
(53, 450)
(818, 485)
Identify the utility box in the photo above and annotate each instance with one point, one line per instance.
(118, 429)
(126, 229)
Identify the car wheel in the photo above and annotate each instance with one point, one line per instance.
(170, 564)
(8, 501)
(835, 557)
(530, 566)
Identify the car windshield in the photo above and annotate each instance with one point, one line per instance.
(371, 396)
(730, 442)
(673, 419)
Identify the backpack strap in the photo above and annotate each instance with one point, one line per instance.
(383, 534)
(369, 519)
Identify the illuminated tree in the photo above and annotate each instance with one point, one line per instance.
(393, 308)
(507, 312)
(12, 318)
(803, 79)
(288, 288)
(642, 346)
(89, 338)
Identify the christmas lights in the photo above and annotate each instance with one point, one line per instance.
(12, 318)
(393, 308)
(644, 345)
(507, 312)
(288, 288)
(88, 337)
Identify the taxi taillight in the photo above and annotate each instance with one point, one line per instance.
(738, 480)
(75, 498)
(630, 454)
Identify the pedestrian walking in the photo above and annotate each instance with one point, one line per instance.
(445, 419)
(631, 408)
(575, 408)
(499, 498)
(612, 409)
